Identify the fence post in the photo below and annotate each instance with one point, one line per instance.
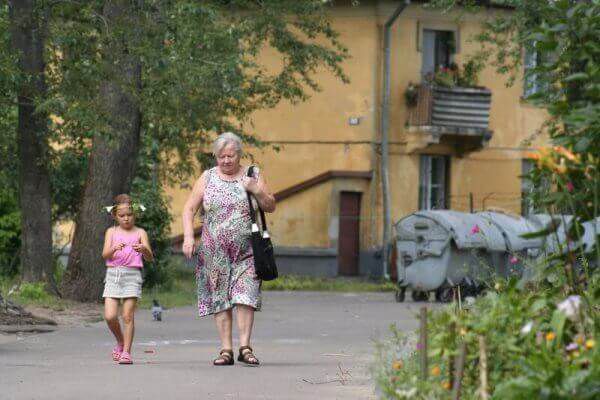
(483, 369)
(459, 370)
(423, 342)
(451, 358)
(471, 205)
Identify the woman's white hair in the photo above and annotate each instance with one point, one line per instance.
(225, 139)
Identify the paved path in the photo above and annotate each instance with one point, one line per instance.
(301, 337)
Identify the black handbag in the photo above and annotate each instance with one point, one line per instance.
(264, 258)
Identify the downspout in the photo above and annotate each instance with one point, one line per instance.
(385, 111)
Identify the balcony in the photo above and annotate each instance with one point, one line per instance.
(454, 116)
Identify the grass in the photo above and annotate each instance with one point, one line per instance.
(30, 294)
(293, 282)
(180, 290)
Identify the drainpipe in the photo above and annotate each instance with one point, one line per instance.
(385, 111)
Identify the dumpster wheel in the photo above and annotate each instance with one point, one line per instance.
(418, 295)
(444, 294)
(400, 294)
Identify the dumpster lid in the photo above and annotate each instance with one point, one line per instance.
(468, 230)
(512, 227)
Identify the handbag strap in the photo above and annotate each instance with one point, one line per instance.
(252, 211)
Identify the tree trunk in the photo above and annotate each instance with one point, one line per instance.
(28, 34)
(111, 164)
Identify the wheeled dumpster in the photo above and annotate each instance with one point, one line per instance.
(440, 249)
(518, 249)
(556, 242)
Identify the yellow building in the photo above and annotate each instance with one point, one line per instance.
(327, 173)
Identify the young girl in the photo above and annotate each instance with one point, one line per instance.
(125, 245)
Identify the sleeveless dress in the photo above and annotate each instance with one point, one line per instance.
(225, 270)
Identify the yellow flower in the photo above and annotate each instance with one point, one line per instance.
(435, 371)
(397, 365)
(562, 167)
(446, 385)
(590, 343)
(575, 354)
(567, 154)
(579, 339)
(550, 336)
(463, 331)
(497, 286)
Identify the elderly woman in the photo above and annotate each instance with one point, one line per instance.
(225, 269)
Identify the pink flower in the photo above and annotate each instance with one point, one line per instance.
(572, 347)
(475, 229)
(570, 186)
(419, 346)
(514, 260)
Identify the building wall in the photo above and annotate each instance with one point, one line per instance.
(308, 139)
(315, 136)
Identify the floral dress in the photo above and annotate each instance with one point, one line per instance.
(225, 270)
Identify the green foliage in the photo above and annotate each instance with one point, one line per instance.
(68, 173)
(293, 282)
(155, 219)
(10, 233)
(202, 63)
(533, 349)
(33, 292)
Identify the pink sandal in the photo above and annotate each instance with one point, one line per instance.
(125, 358)
(116, 353)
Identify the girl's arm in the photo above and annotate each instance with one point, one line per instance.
(108, 250)
(190, 209)
(144, 247)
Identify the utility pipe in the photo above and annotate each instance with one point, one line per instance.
(385, 111)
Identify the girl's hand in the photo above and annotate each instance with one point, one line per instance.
(188, 248)
(118, 246)
(138, 247)
(250, 184)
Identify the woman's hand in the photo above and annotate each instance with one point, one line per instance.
(250, 184)
(188, 248)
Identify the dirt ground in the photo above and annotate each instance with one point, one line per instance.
(74, 314)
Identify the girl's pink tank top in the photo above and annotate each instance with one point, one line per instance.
(127, 256)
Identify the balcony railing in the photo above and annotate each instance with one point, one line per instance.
(452, 110)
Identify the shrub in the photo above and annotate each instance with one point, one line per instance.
(536, 347)
(10, 233)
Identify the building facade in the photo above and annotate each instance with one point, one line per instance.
(448, 148)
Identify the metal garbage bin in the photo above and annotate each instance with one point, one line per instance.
(440, 249)
(556, 242)
(518, 249)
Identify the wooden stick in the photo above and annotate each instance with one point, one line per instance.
(459, 370)
(483, 369)
(451, 359)
(423, 341)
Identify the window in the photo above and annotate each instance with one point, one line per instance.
(438, 51)
(531, 84)
(434, 182)
(532, 194)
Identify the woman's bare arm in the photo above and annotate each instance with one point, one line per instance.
(190, 209)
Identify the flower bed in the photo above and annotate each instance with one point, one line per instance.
(538, 344)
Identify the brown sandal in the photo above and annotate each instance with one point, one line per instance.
(247, 356)
(225, 358)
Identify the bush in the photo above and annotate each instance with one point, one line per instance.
(537, 347)
(10, 233)
(156, 219)
(33, 292)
